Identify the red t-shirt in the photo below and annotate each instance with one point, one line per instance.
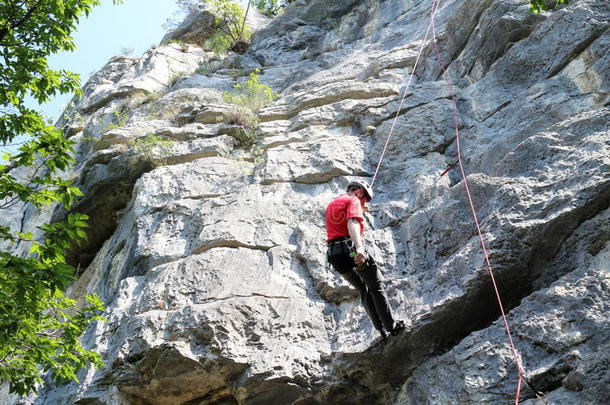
(338, 212)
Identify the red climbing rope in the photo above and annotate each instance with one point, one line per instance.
(474, 213)
(432, 27)
(404, 95)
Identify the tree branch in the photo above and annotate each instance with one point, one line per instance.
(9, 203)
(16, 44)
(4, 31)
(8, 168)
(243, 24)
(12, 166)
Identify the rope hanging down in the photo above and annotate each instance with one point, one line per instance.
(474, 213)
(432, 27)
(404, 94)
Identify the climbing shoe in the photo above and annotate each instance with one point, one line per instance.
(398, 326)
(384, 334)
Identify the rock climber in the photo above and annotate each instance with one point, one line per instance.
(347, 255)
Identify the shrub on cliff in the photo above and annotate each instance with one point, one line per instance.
(152, 148)
(271, 8)
(536, 6)
(250, 94)
(229, 25)
(248, 97)
(230, 21)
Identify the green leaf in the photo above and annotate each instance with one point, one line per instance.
(39, 329)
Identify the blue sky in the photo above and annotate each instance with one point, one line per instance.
(110, 28)
(135, 24)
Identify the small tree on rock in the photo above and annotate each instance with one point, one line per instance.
(232, 32)
(247, 98)
(271, 8)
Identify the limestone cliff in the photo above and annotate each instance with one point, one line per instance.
(210, 257)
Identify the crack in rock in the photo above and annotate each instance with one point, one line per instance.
(214, 299)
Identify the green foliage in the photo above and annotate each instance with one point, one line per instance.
(119, 120)
(250, 94)
(537, 6)
(219, 42)
(271, 8)
(268, 7)
(31, 31)
(245, 134)
(248, 97)
(243, 117)
(152, 148)
(230, 23)
(245, 137)
(258, 155)
(39, 327)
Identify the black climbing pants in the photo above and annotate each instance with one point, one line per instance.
(366, 281)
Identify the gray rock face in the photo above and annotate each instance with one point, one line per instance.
(559, 340)
(196, 28)
(211, 258)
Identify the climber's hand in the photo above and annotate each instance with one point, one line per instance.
(360, 257)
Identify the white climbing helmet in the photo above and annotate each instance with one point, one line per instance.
(363, 185)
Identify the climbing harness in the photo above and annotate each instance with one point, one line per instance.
(458, 162)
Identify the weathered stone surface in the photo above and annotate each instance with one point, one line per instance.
(196, 180)
(196, 28)
(182, 152)
(212, 266)
(560, 331)
(211, 114)
(269, 287)
(330, 93)
(315, 161)
(500, 26)
(125, 134)
(213, 81)
(155, 72)
(303, 28)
